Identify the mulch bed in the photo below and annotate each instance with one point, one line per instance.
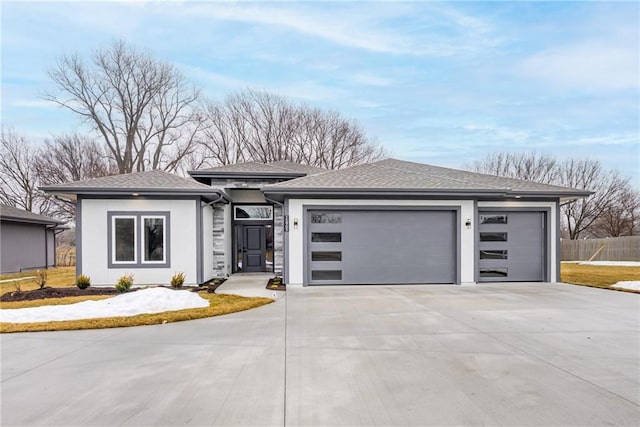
(275, 284)
(48, 292)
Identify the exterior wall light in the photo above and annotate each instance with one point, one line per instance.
(295, 223)
(468, 223)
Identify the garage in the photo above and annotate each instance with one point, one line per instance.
(367, 246)
(512, 246)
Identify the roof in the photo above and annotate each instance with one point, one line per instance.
(398, 176)
(279, 169)
(153, 182)
(11, 213)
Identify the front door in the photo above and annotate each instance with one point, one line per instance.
(253, 248)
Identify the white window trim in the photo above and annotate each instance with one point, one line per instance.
(113, 239)
(144, 240)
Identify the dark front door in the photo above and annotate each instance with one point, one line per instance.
(253, 248)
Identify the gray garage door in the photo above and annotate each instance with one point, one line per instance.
(511, 246)
(381, 247)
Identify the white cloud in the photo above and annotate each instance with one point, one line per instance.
(589, 65)
(364, 27)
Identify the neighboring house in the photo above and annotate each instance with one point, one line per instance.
(388, 222)
(27, 240)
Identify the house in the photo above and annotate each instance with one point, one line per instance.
(387, 222)
(27, 240)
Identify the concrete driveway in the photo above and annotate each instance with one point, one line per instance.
(508, 354)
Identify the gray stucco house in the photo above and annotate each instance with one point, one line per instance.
(387, 222)
(27, 240)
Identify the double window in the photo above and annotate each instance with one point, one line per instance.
(139, 239)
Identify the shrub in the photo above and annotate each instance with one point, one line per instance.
(124, 283)
(41, 278)
(177, 280)
(83, 282)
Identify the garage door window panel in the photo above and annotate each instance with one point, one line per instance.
(494, 237)
(326, 256)
(326, 218)
(326, 274)
(493, 254)
(494, 272)
(326, 237)
(493, 219)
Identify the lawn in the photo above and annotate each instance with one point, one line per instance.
(57, 277)
(218, 305)
(597, 275)
(65, 277)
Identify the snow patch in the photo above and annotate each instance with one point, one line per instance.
(633, 285)
(607, 263)
(152, 300)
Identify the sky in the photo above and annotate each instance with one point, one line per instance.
(444, 83)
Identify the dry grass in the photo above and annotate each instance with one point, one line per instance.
(58, 277)
(600, 276)
(52, 301)
(218, 305)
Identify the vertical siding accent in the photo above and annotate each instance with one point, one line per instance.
(278, 240)
(218, 241)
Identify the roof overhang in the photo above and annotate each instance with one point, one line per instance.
(73, 192)
(30, 220)
(281, 193)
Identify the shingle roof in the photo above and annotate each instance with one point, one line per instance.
(155, 181)
(20, 215)
(283, 167)
(298, 167)
(399, 175)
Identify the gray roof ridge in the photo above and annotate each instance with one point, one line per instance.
(283, 169)
(448, 178)
(506, 178)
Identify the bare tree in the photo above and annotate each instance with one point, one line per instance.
(141, 107)
(621, 217)
(18, 174)
(260, 126)
(71, 157)
(581, 216)
(534, 167)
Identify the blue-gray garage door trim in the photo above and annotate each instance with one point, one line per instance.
(380, 243)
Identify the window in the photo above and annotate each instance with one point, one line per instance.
(153, 239)
(493, 219)
(493, 272)
(124, 239)
(326, 274)
(138, 239)
(501, 254)
(326, 256)
(326, 218)
(326, 237)
(493, 237)
(260, 212)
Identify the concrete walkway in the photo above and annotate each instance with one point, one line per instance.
(495, 354)
(249, 285)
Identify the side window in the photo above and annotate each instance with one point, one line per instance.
(138, 239)
(124, 239)
(153, 239)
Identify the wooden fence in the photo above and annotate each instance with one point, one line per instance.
(610, 249)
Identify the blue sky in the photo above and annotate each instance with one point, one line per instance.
(442, 83)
